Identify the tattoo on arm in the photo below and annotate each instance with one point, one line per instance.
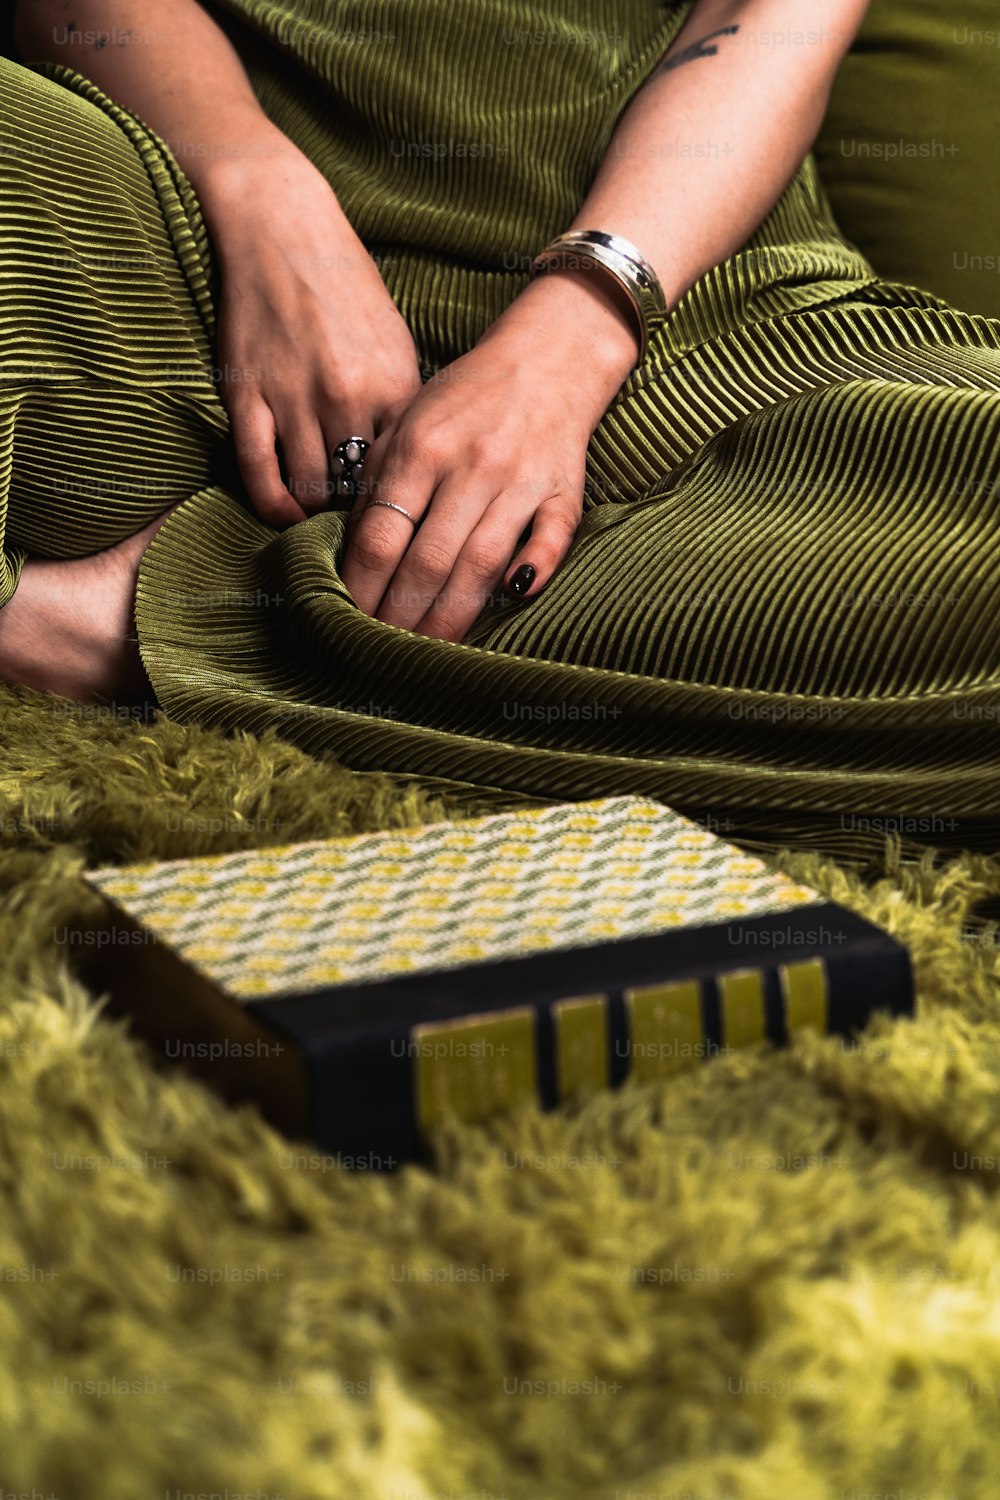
(694, 50)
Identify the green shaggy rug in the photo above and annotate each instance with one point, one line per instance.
(776, 1276)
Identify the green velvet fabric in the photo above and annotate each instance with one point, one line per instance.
(908, 151)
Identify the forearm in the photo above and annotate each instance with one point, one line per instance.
(710, 142)
(172, 65)
(702, 154)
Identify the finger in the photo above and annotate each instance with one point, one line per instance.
(455, 512)
(255, 436)
(403, 475)
(374, 462)
(387, 419)
(480, 565)
(374, 550)
(555, 524)
(304, 450)
(377, 430)
(338, 428)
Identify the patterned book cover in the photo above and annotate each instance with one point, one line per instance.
(363, 988)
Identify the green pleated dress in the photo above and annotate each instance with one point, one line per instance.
(781, 611)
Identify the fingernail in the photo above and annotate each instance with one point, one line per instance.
(522, 580)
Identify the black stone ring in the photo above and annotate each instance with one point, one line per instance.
(347, 463)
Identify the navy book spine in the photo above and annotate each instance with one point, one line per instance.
(386, 1060)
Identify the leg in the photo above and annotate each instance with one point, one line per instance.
(798, 625)
(745, 565)
(69, 627)
(108, 413)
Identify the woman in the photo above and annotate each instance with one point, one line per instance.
(742, 569)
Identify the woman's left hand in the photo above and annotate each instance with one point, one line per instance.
(493, 444)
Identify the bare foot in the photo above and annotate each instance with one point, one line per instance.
(69, 627)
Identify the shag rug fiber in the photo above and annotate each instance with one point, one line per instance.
(775, 1276)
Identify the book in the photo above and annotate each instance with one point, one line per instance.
(364, 989)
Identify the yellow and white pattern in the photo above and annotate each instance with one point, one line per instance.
(303, 916)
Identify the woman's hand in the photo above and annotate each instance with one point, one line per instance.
(494, 444)
(312, 349)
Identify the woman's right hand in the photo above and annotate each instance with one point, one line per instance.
(311, 347)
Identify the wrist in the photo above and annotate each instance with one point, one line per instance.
(576, 321)
(241, 181)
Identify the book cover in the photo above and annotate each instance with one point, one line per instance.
(363, 989)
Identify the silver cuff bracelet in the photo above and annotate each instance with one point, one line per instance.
(622, 262)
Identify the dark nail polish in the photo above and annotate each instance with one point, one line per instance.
(522, 579)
